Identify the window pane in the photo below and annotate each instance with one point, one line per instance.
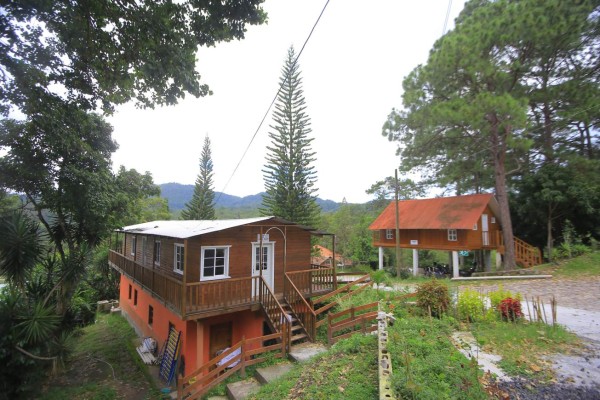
(220, 271)
(220, 252)
(209, 262)
(209, 253)
(209, 271)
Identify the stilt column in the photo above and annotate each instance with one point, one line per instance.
(455, 264)
(415, 262)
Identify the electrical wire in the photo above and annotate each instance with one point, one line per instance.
(272, 102)
(447, 17)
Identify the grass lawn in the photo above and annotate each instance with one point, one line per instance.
(577, 268)
(103, 366)
(523, 346)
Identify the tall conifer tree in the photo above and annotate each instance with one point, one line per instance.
(202, 206)
(289, 175)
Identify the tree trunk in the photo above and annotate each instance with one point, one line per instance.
(498, 148)
(550, 240)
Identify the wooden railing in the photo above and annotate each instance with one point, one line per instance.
(162, 286)
(525, 254)
(300, 307)
(277, 317)
(346, 288)
(243, 354)
(220, 294)
(314, 280)
(355, 319)
(200, 297)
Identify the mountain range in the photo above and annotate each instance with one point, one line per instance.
(178, 195)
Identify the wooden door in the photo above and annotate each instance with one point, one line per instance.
(220, 337)
(264, 263)
(485, 230)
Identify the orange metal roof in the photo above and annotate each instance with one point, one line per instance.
(458, 212)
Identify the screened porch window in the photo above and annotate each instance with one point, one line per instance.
(179, 257)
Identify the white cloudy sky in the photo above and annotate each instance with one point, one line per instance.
(352, 69)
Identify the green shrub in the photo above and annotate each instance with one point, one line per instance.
(380, 277)
(405, 273)
(434, 296)
(500, 294)
(470, 305)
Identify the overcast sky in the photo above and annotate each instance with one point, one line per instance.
(352, 69)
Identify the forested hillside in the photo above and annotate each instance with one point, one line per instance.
(178, 194)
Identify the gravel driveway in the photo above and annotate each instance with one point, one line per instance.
(578, 375)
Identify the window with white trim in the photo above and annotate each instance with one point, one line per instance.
(452, 235)
(475, 227)
(133, 245)
(214, 262)
(157, 253)
(389, 234)
(493, 220)
(179, 258)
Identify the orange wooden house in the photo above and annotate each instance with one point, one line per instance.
(325, 258)
(217, 281)
(459, 223)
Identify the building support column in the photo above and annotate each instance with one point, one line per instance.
(415, 262)
(487, 260)
(380, 257)
(498, 260)
(455, 273)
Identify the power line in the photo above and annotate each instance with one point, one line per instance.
(447, 17)
(272, 102)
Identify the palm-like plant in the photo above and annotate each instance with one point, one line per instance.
(21, 247)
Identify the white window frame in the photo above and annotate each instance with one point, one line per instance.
(475, 226)
(133, 245)
(389, 234)
(225, 274)
(452, 235)
(158, 247)
(179, 259)
(493, 220)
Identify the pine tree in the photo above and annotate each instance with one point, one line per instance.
(201, 206)
(289, 175)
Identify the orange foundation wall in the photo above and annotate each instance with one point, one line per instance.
(159, 330)
(245, 324)
(195, 335)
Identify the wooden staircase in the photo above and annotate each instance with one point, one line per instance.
(526, 255)
(297, 331)
(298, 313)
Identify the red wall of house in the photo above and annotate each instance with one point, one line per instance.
(248, 324)
(159, 330)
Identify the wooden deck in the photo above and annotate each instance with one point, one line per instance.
(195, 300)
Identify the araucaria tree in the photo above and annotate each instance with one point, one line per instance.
(202, 206)
(289, 175)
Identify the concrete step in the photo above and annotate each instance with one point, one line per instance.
(305, 351)
(272, 372)
(242, 389)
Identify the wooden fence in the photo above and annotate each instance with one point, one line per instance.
(243, 354)
(346, 323)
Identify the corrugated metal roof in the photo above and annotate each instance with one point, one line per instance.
(458, 212)
(186, 229)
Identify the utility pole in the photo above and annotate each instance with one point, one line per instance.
(398, 251)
